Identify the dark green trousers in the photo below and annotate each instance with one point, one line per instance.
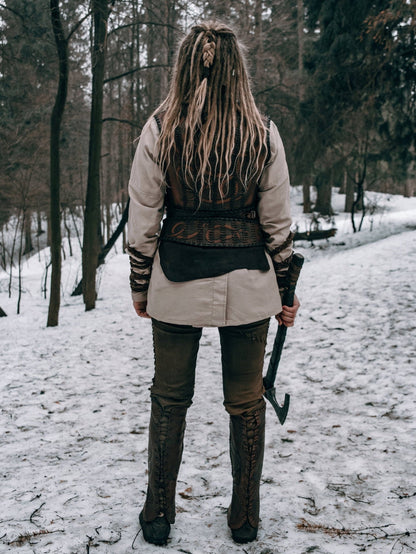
(242, 357)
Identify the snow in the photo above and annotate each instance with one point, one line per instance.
(339, 476)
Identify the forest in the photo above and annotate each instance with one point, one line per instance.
(78, 80)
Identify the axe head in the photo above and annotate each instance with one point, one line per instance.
(281, 411)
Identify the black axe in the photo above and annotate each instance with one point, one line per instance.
(268, 381)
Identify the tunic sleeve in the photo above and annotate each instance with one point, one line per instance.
(147, 192)
(274, 208)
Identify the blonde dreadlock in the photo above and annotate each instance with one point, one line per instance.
(210, 97)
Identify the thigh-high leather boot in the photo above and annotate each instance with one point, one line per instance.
(166, 432)
(246, 451)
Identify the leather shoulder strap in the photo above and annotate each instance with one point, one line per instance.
(158, 121)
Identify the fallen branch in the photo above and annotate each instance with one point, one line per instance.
(22, 539)
(313, 510)
(402, 496)
(315, 235)
(372, 532)
(358, 499)
(133, 547)
(94, 541)
(33, 514)
(106, 249)
(310, 527)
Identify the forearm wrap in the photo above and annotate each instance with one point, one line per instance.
(140, 270)
(287, 242)
(281, 270)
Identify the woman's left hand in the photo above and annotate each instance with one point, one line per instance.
(140, 309)
(288, 314)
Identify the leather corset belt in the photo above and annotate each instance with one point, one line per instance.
(216, 228)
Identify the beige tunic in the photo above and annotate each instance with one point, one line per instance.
(239, 297)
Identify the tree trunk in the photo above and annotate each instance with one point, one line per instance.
(164, 53)
(151, 76)
(68, 233)
(323, 185)
(306, 189)
(358, 204)
(409, 187)
(92, 229)
(258, 41)
(301, 37)
(28, 233)
(19, 297)
(3, 257)
(55, 203)
(12, 253)
(349, 186)
(39, 231)
(359, 189)
(343, 186)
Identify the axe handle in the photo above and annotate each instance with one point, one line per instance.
(288, 298)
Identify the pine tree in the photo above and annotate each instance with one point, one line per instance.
(26, 88)
(342, 102)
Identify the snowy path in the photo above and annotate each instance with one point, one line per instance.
(338, 477)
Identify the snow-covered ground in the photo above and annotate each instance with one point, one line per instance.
(339, 476)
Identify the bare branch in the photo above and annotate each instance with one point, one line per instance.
(134, 71)
(13, 11)
(126, 121)
(138, 22)
(78, 25)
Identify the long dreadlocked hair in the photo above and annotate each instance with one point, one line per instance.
(210, 98)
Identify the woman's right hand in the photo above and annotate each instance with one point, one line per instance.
(288, 314)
